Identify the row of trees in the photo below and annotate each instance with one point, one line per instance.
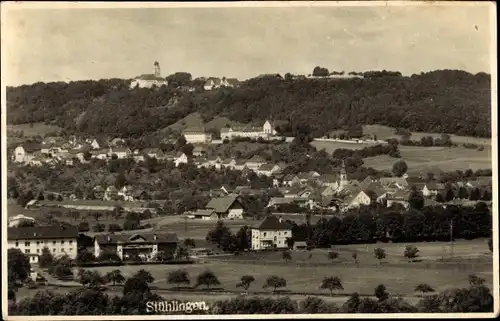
(389, 149)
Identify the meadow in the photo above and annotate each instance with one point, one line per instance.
(304, 274)
(37, 129)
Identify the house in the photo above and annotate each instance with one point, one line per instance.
(116, 142)
(265, 132)
(391, 182)
(180, 158)
(154, 153)
(300, 246)
(240, 165)
(255, 162)
(271, 233)
(99, 192)
(126, 193)
(24, 153)
(214, 83)
(364, 197)
(111, 193)
(271, 127)
(299, 192)
(53, 140)
(18, 219)
(367, 181)
(229, 163)
(431, 189)
(328, 191)
(398, 197)
(268, 169)
(148, 246)
(275, 202)
(60, 240)
(149, 80)
(199, 151)
(99, 154)
(94, 143)
(204, 215)
(120, 152)
(197, 135)
(227, 207)
(291, 179)
(331, 203)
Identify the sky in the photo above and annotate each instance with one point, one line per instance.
(78, 44)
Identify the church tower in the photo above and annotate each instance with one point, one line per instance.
(157, 69)
(343, 175)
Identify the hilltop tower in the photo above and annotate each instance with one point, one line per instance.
(157, 72)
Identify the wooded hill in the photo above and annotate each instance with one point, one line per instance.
(443, 101)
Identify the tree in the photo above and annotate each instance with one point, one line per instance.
(333, 255)
(108, 256)
(207, 278)
(399, 168)
(450, 195)
(416, 200)
(290, 242)
(475, 280)
(18, 265)
(189, 243)
(286, 255)
(411, 252)
(62, 268)
(83, 227)
(187, 149)
(115, 276)
(92, 279)
(381, 292)
(332, 284)
(85, 256)
(320, 72)
(120, 180)
(144, 275)
(379, 254)
(46, 258)
(274, 282)
(424, 288)
(178, 277)
(355, 258)
(245, 282)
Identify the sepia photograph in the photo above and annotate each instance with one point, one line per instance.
(225, 160)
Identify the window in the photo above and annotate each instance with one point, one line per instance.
(53, 242)
(265, 233)
(26, 243)
(33, 258)
(37, 242)
(62, 242)
(285, 233)
(71, 250)
(17, 244)
(37, 250)
(71, 242)
(27, 251)
(54, 250)
(62, 250)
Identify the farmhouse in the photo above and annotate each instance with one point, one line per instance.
(120, 152)
(255, 162)
(148, 246)
(195, 135)
(272, 232)
(214, 83)
(394, 182)
(430, 189)
(399, 197)
(227, 207)
(60, 240)
(149, 80)
(268, 169)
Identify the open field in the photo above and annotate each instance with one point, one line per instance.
(304, 275)
(330, 147)
(422, 159)
(385, 132)
(37, 129)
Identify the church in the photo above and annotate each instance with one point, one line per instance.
(149, 80)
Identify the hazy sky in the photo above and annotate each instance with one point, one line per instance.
(74, 44)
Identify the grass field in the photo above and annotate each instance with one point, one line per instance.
(37, 129)
(304, 275)
(385, 132)
(330, 147)
(422, 159)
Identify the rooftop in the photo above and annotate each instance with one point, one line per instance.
(41, 232)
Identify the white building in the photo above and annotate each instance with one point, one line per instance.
(149, 80)
(265, 132)
(24, 153)
(197, 136)
(145, 245)
(214, 83)
(272, 232)
(18, 219)
(31, 241)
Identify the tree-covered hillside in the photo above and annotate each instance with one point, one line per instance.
(444, 101)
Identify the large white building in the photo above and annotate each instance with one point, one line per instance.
(60, 240)
(272, 232)
(150, 80)
(18, 219)
(197, 136)
(265, 132)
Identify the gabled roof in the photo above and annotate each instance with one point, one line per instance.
(221, 204)
(30, 147)
(120, 150)
(256, 159)
(201, 212)
(272, 223)
(399, 195)
(41, 232)
(266, 167)
(131, 238)
(194, 130)
(385, 181)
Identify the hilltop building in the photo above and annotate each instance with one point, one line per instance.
(149, 80)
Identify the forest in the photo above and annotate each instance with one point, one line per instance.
(442, 101)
